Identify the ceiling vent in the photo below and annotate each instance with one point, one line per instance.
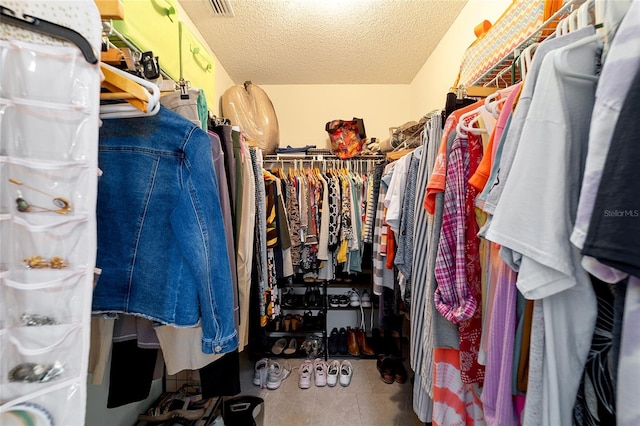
(221, 8)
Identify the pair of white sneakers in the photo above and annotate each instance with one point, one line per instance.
(270, 374)
(339, 371)
(325, 374)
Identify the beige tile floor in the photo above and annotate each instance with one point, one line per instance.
(367, 401)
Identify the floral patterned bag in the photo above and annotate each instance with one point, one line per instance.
(347, 137)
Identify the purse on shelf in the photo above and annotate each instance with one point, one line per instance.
(346, 137)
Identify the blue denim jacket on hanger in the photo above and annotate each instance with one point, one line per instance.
(161, 240)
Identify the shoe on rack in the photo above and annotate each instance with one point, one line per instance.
(279, 346)
(333, 342)
(260, 372)
(352, 342)
(333, 371)
(343, 348)
(304, 379)
(361, 338)
(292, 347)
(320, 372)
(287, 322)
(346, 372)
(277, 373)
(354, 298)
(365, 299)
(376, 340)
(334, 300)
(296, 322)
(343, 300)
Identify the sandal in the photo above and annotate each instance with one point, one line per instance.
(287, 322)
(296, 322)
(278, 346)
(292, 347)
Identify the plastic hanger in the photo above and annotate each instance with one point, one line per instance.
(585, 17)
(35, 24)
(462, 129)
(564, 68)
(525, 59)
(131, 86)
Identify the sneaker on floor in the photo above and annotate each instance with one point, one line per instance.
(320, 372)
(277, 373)
(365, 299)
(304, 380)
(260, 372)
(332, 373)
(346, 372)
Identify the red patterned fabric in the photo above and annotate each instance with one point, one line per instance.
(471, 329)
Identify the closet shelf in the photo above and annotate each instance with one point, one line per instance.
(302, 308)
(498, 74)
(352, 308)
(297, 333)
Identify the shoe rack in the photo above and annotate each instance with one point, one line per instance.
(357, 342)
(303, 313)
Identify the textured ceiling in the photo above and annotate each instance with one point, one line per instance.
(324, 41)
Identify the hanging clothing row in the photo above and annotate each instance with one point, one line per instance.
(176, 291)
(509, 279)
(316, 224)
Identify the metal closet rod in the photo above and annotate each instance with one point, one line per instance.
(498, 69)
(107, 27)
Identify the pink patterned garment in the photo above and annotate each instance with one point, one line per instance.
(471, 329)
(453, 298)
(458, 273)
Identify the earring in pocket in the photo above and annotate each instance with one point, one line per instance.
(64, 206)
(39, 262)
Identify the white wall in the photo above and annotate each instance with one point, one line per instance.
(430, 86)
(303, 110)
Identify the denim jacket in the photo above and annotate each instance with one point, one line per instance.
(161, 240)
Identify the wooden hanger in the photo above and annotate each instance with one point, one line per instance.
(122, 87)
(141, 97)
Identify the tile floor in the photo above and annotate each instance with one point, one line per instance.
(367, 401)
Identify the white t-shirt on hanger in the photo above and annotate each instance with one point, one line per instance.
(535, 218)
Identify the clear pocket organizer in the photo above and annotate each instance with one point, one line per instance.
(47, 188)
(55, 406)
(50, 245)
(5, 242)
(33, 129)
(39, 297)
(35, 357)
(46, 73)
(5, 199)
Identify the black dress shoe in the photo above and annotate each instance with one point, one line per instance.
(342, 341)
(333, 341)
